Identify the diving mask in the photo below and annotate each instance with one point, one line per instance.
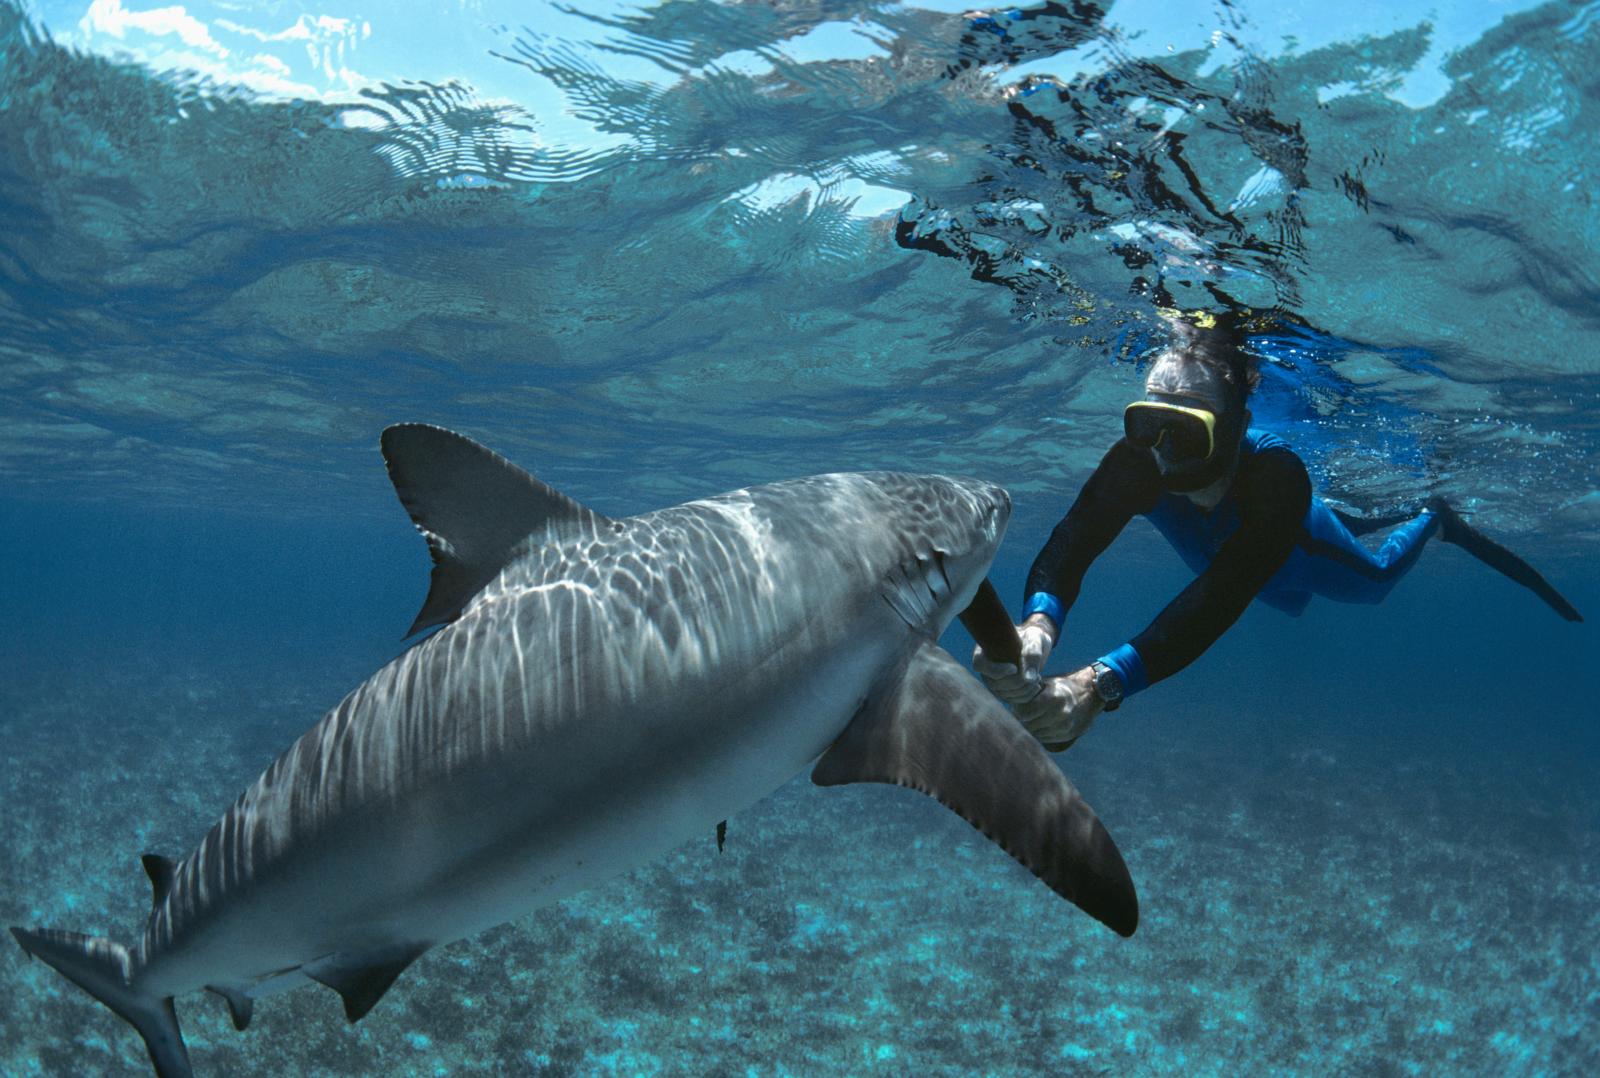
(1179, 434)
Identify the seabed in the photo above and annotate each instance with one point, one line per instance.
(1327, 911)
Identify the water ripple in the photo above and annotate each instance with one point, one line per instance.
(726, 243)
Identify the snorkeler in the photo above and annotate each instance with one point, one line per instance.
(1237, 505)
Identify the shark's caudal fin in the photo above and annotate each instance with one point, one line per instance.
(934, 728)
(473, 507)
(101, 968)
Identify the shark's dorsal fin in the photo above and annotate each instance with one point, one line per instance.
(160, 870)
(473, 507)
(240, 1006)
(362, 981)
(934, 728)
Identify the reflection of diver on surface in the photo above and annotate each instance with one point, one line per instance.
(1237, 505)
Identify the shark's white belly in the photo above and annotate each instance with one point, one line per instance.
(690, 770)
(596, 798)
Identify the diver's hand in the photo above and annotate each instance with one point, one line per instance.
(1062, 710)
(1013, 685)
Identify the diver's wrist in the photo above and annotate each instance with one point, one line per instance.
(1107, 685)
(1042, 622)
(1083, 685)
(1043, 603)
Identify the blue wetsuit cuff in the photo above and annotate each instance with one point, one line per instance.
(1129, 669)
(1042, 602)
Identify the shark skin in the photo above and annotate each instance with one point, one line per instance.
(601, 691)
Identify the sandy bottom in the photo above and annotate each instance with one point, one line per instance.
(1312, 905)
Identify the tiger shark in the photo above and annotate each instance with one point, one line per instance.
(600, 691)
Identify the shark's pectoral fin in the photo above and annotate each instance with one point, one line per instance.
(934, 728)
(473, 507)
(240, 1005)
(361, 980)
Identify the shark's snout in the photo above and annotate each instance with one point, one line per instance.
(993, 506)
(972, 535)
(1000, 504)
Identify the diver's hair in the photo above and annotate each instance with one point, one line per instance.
(1218, 342)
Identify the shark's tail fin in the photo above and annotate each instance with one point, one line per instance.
(101, 968)
(1456, 531)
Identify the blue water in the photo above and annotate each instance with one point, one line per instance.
(657, 252)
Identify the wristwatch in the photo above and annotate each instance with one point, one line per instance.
(1107, 685)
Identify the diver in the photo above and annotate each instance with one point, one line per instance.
(1237, 504)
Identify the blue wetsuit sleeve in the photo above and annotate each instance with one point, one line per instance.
(1273, 493)
(1124, 484)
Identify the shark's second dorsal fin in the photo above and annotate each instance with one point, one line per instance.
(934, 728)
(160, 870)
(473, 507)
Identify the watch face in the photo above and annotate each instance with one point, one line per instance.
(1107, 684)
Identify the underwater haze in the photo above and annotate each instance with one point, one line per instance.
(652, 252)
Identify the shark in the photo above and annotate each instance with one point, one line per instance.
(594, 692)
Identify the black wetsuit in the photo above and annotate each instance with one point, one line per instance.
(1269, 538)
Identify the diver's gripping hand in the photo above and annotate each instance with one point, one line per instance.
(1062, 711)
(1006, 680)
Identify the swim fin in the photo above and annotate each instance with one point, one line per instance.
(1452, 529)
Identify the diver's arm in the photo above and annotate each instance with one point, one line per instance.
(1273, 497)
(1125, 483)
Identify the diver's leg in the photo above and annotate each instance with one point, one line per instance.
(1368, 525)
(1456, 531)
(1346, 571)
(1399, 550)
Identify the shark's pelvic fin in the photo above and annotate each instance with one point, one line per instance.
(473, 507)
(101, 967)
(361, 981)
(160, 870)
(934, 728)
(240, 1006)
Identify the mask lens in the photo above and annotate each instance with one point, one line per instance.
(1179, 434)
(1142, 426)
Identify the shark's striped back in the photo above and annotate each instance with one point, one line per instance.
(590, 618)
